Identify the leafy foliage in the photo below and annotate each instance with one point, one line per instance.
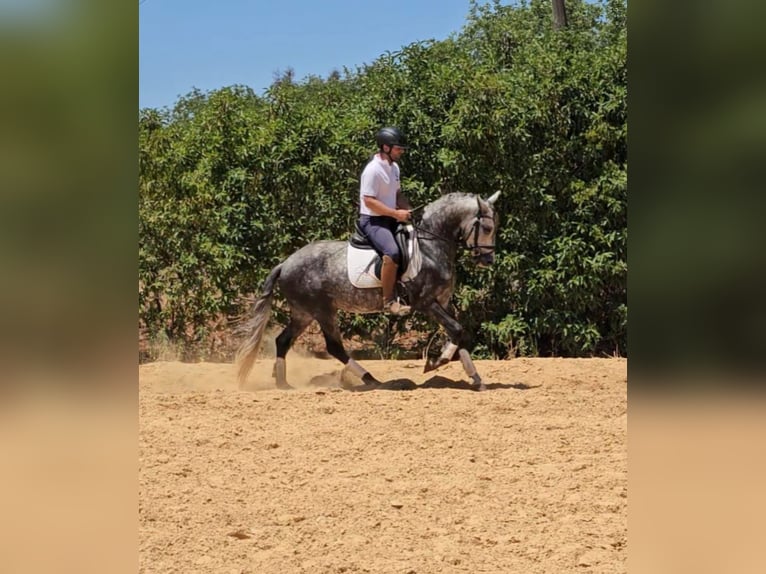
(232, 182)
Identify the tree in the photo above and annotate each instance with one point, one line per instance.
(559, 14)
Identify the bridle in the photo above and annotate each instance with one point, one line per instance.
(475, 229)
(464, 238)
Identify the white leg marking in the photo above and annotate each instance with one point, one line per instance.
(280, 371)
(448, 352)
(356, 368)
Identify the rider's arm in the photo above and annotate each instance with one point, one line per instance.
(401, 201)
(380, 208)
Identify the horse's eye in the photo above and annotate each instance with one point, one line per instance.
(486, 228)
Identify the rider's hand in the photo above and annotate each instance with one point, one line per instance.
(402, 214)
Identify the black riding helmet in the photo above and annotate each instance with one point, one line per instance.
(390, 136)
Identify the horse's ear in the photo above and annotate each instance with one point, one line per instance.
(493, 198)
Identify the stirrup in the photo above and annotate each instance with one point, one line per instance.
(393, 307)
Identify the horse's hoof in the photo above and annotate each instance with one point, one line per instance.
(433, 364)
(478, 384)
(369, 383)
(368, 379)
(285, 387)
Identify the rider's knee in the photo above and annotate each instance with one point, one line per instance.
(393, 256)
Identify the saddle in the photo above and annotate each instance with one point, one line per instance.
(401, 235)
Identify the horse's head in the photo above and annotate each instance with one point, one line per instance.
(478, 231)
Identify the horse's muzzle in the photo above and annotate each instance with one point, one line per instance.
(484, 259)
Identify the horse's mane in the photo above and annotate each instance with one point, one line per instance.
(454, 198)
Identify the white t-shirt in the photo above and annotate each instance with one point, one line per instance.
(381, 181)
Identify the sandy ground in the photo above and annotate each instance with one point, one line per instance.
(425, 477)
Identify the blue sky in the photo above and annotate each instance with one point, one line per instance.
(185, 44)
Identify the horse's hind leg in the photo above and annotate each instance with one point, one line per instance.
(298, 323)
(334, 344)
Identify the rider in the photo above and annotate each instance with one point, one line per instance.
(381, 206)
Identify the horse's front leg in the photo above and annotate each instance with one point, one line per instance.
(455, 333)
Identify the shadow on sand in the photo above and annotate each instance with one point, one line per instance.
(437, 382)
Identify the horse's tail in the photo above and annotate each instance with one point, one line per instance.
(255, 327)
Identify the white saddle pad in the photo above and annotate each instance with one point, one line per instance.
(361, 264)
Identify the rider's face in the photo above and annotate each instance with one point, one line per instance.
(396, 152)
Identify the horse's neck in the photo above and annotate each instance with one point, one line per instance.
(446, 221)
(440, 233)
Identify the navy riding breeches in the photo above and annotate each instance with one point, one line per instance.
(379, 229)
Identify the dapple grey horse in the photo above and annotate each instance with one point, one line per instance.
(315, 283)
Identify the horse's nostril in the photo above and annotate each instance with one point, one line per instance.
(484, 258)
